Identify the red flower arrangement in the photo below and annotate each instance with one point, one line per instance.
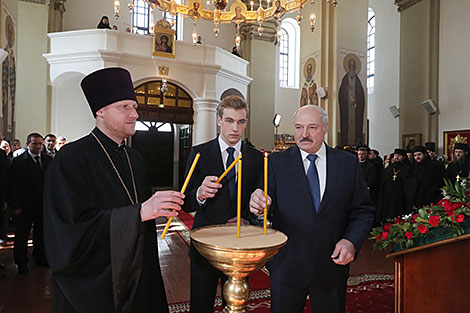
(450, 216)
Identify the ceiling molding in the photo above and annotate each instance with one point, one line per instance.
(405, 4)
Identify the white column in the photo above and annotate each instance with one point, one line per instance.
(205, 120)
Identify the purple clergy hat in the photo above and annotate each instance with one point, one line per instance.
(106, 86)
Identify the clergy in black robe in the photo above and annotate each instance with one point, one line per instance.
(460, 166)
(424, 179)
(392, 199)
(368, 169)
(100, 234)
(378, 162)
(431, 151)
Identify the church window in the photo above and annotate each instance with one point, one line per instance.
(289, 53)
(141, 17)
(371, 51)
(284, 58)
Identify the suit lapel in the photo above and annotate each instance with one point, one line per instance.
(216, 157)
(331, 176)
(298, 172)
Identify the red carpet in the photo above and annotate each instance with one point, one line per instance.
(373, 294)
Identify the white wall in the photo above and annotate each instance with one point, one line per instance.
(454, 67)
(32, 107)
(205, 72)
(383, 128)
(286, 98)
(86, 14)
(225, 40)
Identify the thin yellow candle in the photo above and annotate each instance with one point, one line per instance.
(229, 168)
(265, 193)
(183, 189)
(239, 198)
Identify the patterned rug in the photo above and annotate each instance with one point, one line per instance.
(366, 293)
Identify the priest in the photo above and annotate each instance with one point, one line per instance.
(393, 197)
(99, 211)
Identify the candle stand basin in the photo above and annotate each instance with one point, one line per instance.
(237, 257)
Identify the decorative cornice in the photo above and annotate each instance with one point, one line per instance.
(59, 5)
(405, 4)
(44, 2)
(250, 31)
(118, 57)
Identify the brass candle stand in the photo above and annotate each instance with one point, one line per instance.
(237, 257)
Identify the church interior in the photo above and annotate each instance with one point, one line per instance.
(387, 72)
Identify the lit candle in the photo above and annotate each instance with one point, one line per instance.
(239, 197)
(265, 193)
(251, 5)
(183, 189)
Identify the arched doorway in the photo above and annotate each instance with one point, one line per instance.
(164, 131)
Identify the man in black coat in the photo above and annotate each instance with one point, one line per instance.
(26, 201)
(215, 203)
(431, 151)
(100, 213)
(49, 145)
(320, 201)
(4, 165)
(393, 197)
(460, 166)
(424, 179)
(369, 170)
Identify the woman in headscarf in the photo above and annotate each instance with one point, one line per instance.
(104, 23)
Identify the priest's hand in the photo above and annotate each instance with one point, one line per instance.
(162, 203)
(258, 202)
(344, 252)
(208, 188)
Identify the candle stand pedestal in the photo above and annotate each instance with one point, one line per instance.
(237, 257)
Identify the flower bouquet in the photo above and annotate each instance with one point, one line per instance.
(450, 217)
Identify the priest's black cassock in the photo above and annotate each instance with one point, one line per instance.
(424, 183)
(393, 194)
(458, 168)
(103, 258)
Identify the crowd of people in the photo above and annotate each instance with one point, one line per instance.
(22, 171)
(405, 180)
(93, 214)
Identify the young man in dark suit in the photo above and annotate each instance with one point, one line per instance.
(215, 203)
(26, 201)
(318, 198)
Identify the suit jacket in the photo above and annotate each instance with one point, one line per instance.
(346, 211)
(221, 208)
(27, 183)
(3, 173)
(369, 171)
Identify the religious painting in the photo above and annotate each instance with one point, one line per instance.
(9, 40)
(163, 40)
(279, 7)
(452, 137)
(195, 9)
(308, 93)
(352, 97)
(238, 11)
(410, 141)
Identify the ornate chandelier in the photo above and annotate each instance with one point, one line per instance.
(236, 13)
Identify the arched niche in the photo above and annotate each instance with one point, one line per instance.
(231, 92)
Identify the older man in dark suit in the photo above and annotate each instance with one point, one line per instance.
(319, 199)
(26, 200)
(215, 203)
